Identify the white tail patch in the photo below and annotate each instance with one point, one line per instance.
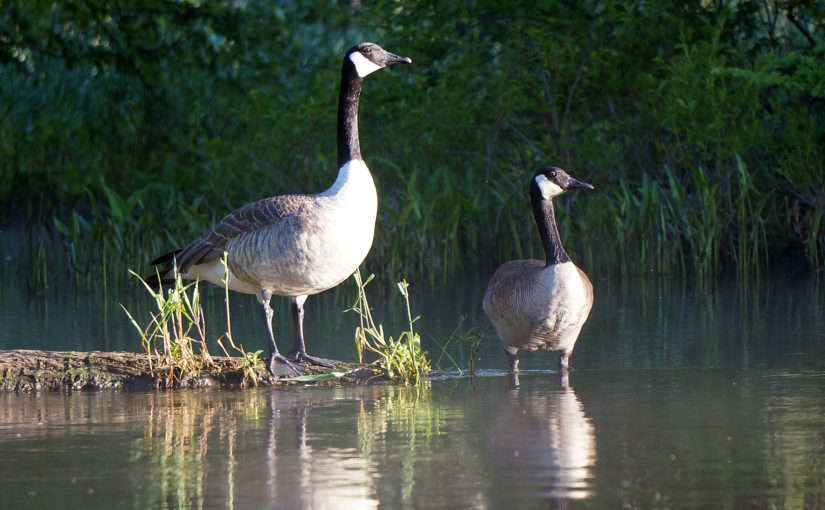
(548, 188)
(363, 66)
(215, 272)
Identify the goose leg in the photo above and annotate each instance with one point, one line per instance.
(513, 362)
(564, 360)
(298, 328)
(299, 351)
(278, 365)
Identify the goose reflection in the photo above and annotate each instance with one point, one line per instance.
(252, 449)
(543, 443)
(302, 476)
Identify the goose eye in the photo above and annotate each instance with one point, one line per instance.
(553, 174)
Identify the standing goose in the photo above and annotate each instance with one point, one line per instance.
(296, 245)
(541, 305)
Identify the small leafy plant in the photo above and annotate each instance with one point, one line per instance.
(401, 359)
(176, 334)
(471, 339)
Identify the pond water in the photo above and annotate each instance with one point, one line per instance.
(682, 396)
(772, 322)
(653, 438)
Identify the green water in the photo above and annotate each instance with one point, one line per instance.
(773, 322)
(682, 396)
(646, 439)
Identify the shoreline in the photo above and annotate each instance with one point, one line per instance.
(29, 370)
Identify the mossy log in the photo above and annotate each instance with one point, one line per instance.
(34, 370)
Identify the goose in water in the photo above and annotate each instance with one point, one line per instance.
(541, 305)
(296, 245)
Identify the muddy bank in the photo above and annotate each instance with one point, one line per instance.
(34, 370)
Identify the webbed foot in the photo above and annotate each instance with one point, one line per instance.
(313, 360)
(279, 366)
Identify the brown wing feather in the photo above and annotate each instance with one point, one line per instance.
(244, 220)
(508, 286)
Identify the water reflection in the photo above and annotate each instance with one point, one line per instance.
(303, 448)
(667, 323)
(542, 442)
(298, 474)
(663, 437)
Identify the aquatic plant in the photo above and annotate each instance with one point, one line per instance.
(401, 359)
(470, 338)
(173, 352)
(250, 363)
(168, 338)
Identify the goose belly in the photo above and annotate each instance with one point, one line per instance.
(320, 255)
(216, 272)
(545, 309)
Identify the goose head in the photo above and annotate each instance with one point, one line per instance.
(551, 182)
(368, 57)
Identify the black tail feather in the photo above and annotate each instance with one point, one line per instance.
(155, 279)
(160, 276)
(165, 258)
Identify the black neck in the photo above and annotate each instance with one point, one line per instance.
(349, 148)
(546, 222)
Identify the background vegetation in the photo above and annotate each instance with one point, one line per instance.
(128, 128)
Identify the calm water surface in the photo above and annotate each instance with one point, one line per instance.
(776, 322)
(669, 439)
(682, 396)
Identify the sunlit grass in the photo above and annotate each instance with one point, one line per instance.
(175, 337)
(470, 339)
(401, 359)
(175, 341)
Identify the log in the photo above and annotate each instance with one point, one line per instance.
(37, 370)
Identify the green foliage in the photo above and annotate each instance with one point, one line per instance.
(172, 350)
(128, 130)
(472, 339)
(401, 359)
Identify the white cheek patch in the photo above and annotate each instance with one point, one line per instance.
(548, 188)
(363, 66)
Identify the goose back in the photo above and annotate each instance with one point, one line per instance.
(290, 244)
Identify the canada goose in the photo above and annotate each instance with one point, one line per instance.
(541, 305)
(296, 245)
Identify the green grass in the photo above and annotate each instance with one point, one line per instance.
(401, 359)
(175, 341)
(174, 337)
(470, 339)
